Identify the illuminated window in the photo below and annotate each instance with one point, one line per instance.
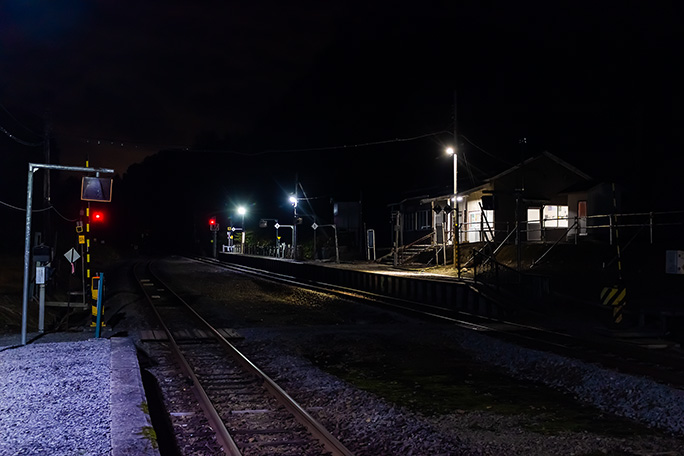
(555, 216)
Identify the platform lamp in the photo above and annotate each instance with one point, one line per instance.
(456, 234)
(242, 211)
(293, 201)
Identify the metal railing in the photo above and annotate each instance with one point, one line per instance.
(575, 227)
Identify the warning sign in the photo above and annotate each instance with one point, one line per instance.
(615, 297)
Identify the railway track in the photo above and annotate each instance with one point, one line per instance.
(663, 365)
(248, 412)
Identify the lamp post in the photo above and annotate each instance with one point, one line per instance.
(242, 211)
(293, 201)
(456, 234)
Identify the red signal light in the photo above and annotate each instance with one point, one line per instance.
(98, 216)
(213, 226)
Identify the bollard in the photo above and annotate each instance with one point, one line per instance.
(100, 291)
(96, 309)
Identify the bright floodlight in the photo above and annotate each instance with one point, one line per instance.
(450, 150)
(242, 210)
(293, 200)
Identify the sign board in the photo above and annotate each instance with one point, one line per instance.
(96, 189)
(72, 256)
(277, 225)
(370, 244)
(314, 226)
(81, 239)
(40, 275)
(370, 238)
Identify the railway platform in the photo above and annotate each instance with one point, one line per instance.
(68, 393)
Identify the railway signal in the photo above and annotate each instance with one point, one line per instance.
(213, 226)
(97, 217)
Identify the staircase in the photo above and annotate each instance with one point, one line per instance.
(409, 253)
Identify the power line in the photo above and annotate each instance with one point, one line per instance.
(18, 122)
(20, 141)
(350, 146)
(121, 143)
(51, 207)
(485, 152)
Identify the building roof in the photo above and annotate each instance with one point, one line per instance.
(590, 183)
(546, 154)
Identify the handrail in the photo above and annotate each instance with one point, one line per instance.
(535, 262)
(401, 249)
(429, 235)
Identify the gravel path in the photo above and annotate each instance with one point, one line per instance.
(54, 399)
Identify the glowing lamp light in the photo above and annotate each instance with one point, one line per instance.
(97, 216)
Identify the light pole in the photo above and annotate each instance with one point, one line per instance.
(456, 234)
(293, 201)
(242, 211)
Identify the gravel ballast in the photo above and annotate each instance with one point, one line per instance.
(372, 426)
(73, 397)
(285, 331)
(54, 399)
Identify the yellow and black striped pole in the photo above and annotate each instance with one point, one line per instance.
(616, 296)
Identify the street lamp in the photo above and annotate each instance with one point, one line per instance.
(242, 211)
(456, 234)
(293, 201)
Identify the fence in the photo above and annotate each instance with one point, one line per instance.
(572, 228)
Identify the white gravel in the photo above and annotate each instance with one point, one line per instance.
(54, 399)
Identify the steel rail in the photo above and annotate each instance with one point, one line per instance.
(581, 346)
(415, 307)
(317, 430)
(222, 435)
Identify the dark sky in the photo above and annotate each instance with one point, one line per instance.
(596, 83)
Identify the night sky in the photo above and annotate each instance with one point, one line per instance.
(322, 91)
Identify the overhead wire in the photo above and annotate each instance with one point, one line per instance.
(51, 207)
(485, 152)
(350, 146)
(121, 143)
(20, 141)
(18, 122)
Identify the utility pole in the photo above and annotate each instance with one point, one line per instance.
(294, 221)
(456, 233)
(47, 227)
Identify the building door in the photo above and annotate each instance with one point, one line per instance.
(582, 217)
(533, 224)
(473, 226)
